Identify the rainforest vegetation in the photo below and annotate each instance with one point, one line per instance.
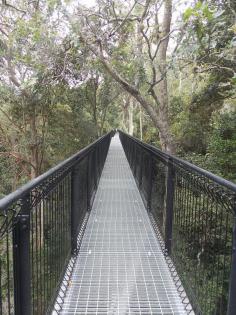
(70, 71)
(163, 71)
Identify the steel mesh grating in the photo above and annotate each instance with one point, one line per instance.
(120, 268)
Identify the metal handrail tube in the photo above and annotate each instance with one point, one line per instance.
(12, 197)
(165, 156)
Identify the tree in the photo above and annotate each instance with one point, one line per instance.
(99, 94)
(35, 71)
(207, 55)
(108, 30)
(25, 45)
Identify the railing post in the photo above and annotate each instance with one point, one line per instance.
(169, 205)
(74, 207)
(96, 167)
(133, 157)
(21, 260)
(232, 283)
(150, 185)
(140, 171)
(88, 183)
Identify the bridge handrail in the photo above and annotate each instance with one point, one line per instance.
(40, 226)
(24, 189)
(195, 214)
(168, 157)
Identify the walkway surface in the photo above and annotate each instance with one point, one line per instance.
(120, 268)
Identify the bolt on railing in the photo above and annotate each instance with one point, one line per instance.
(39, 226)
(195, 213)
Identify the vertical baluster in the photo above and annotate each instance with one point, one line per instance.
(232, 284)
(88, 182)
(21, 260)
(141, 169)
(150, 180)
(169, 205)
(74, 207)
(95, 167)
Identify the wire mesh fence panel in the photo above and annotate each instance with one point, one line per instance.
(158, 193)
(6, 263)
(50, 242)
(202, 237)
(145, 176)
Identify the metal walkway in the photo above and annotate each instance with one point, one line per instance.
(120, 268)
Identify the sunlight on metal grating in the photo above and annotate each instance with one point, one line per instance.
(120, 268)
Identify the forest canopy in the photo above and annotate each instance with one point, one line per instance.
(70, 71)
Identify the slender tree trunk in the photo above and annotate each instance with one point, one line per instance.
(166, 140)
(125, 112)
(131, 117)
(141, 123)
(34, 150)
(180, 82)
(123, 122)
(95, 83)
(15, 182)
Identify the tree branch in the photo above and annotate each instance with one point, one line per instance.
(4, 2)
(124, 21)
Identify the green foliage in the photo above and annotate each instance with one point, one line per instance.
(56, 99)
(222, 145)
(200, 10)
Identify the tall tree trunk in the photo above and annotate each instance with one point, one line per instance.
(131, 117)
(34, 150)
(125, 112)
(159, 118)
(141, 123)
(158, 108)
(166, 140)
(180, 82)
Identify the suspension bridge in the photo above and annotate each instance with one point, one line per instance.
(119, 228)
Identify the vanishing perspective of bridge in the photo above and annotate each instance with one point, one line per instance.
(119, 228)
